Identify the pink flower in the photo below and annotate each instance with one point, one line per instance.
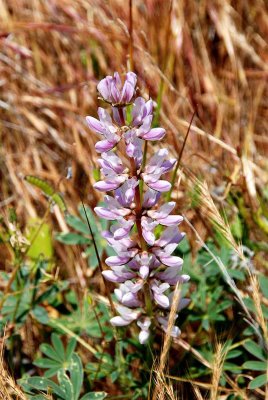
(112, 90)
(142, 260)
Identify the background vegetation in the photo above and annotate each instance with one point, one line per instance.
(206, 57)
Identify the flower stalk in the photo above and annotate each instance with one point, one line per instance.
(143, 265)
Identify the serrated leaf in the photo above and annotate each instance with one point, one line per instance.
(255, 365)
(257, 382)
(254, 349)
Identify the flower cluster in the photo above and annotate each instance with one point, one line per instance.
(143, 267)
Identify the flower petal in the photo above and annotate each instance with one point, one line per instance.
(154, 134)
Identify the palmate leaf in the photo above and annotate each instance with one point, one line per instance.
(59, 361)
(81, 320)
(56, 356)
(36, 383)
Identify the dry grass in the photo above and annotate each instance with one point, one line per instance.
(8, 386)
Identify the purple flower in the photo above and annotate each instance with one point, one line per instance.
(112, 90)
(145, 131)
(162, 215)
(126, 316)
(148, 226)
(113, 210)
(126, 193)
(175, 331)
(158, 290)
(134, 147)
(127, 294)
(170, 235)
(144, 334)
(156, 167)
(113, 170)
(122, 228)
(118, 274)
(105, 128)
(141, 110)
(150, 198)
(172, 275)
(143, 264)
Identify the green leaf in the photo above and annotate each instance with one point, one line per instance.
(237, 227)
(254, 349)
(236, 273)
(71, 238)
(77, 374)
(70, 349)
(51, 372)
(77, 224)
(90, 216)
(58, 346)
(41, 184)
(40, 314)
(39, 235)
(264, 285)
(42, 383)
(48, 190)
(46, 363)
(255, 365)
(58, 199)
(234, 354)
(257, 382)
(49, 351)
(228, 366)
(92, 259)
(94, 396)
(66, 385)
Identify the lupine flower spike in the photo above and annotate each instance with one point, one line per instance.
(143, 267)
